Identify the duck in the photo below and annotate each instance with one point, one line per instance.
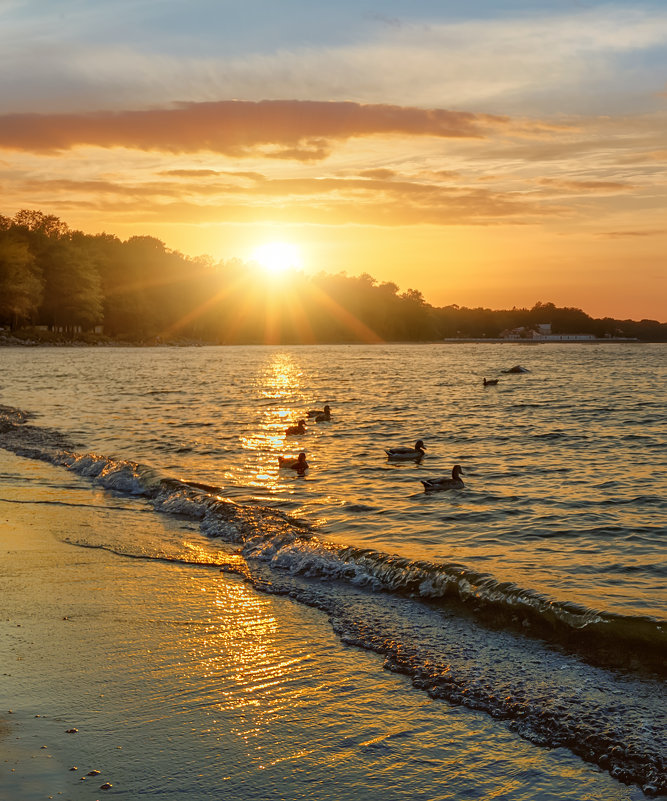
(445, 483)
(299, 428)
(490, 382)
(299, 463)
(318, 412)
(403, 453)
(324, 416)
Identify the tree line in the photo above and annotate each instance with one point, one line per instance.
(139, 290)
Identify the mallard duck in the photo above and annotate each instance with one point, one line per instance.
(318, 412)
(324, 416)
(490, 382)
(406, 454)
(299, 428)
(445, 483)
(299, 463)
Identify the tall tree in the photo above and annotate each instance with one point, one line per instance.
(21, 286)
(73, 290)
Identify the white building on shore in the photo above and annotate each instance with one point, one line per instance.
(542, 333)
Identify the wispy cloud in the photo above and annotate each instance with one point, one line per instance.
(574, 61)
(602, 187)
(326, 201)
(651, 232)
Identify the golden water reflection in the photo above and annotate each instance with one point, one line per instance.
(279, 381)
(238, 663)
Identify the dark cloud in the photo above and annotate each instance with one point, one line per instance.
(296, 129)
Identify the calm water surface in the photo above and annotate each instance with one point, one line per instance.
(564, 466)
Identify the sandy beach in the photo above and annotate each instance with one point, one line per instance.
(182, 681)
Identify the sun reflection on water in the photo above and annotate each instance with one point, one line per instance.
(238, 664)
(281, 382)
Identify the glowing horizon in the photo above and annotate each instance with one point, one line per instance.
(494, 181)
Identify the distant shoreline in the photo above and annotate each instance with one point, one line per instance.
(74, 343)
(551, 341)
(16, 342)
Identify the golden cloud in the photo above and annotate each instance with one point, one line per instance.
(296, 129)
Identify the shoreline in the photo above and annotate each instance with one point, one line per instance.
(180, 679)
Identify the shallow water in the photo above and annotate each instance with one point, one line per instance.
(186, 683)
(553, 552)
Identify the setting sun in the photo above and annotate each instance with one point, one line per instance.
(276, 257)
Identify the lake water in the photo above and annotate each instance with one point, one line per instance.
(552, 556)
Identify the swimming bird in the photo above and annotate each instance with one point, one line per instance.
(324, 416)
(517, 369)
(299, 428)
(406, 454)
(299, 463)
(445, 483)
(318, 412)
(491, 382)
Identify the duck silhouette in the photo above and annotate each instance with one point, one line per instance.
(318, 412)
(299, 463)
(324, 416)
(490, 382)
(407, 454)
(299, 428)
(445, 483)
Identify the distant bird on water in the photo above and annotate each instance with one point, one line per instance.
(317, 412)
(407, 454)
(490, 382)
(445, 483)
(517, 369)
(298, 464)
(324, 416)
(299, 428)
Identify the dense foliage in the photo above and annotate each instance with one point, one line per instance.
(139, 290)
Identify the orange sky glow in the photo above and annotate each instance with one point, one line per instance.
(499, 185)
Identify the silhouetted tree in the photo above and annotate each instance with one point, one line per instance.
(140, 289)
(21, 286)
(72, 287)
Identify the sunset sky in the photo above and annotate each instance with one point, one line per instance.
(489, 152)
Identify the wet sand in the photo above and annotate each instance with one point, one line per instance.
(182, 681)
